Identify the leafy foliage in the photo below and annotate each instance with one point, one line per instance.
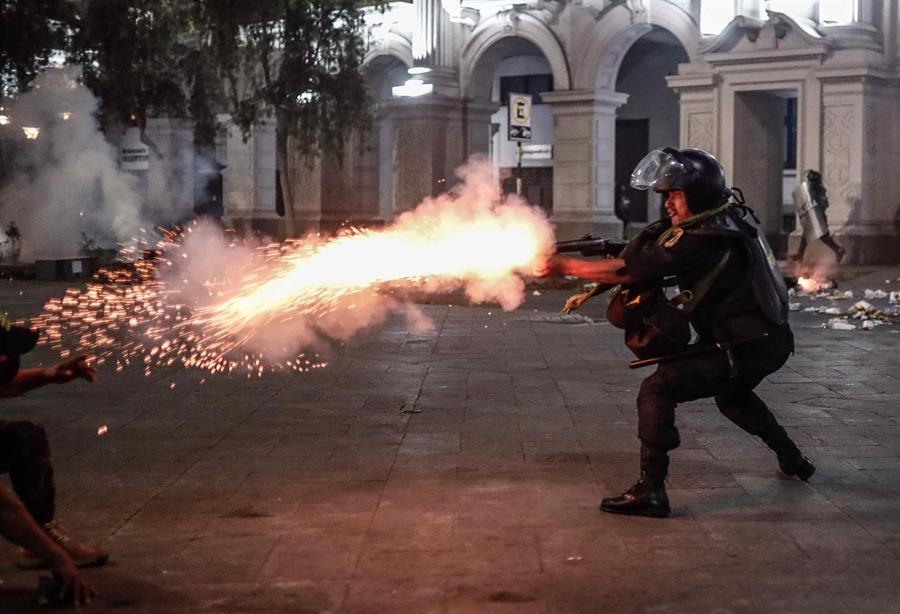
(301, 61)
(129, 53)
(31, 33)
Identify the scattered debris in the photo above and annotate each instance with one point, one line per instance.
(834, 295)
(839, 324)
(102, 430)
(562, 318)
(832, 311)
(794, 306)
(874, 294)
(536, 293)
(410, 410)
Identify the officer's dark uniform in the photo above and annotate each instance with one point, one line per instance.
(728, 312)
(744, 301)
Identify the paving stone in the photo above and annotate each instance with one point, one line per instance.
(460, 470)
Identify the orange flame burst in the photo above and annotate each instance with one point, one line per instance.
(810, 285)
(241, 314)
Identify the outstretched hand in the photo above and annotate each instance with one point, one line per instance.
(552, 265)
(72, 587)
(74, 368)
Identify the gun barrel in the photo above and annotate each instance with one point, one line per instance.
(589, 246)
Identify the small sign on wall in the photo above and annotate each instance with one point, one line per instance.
(537, 152)
(133, 154)
(519, 117)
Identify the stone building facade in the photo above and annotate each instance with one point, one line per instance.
(771, 87)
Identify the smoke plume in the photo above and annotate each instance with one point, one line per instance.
(66, 181)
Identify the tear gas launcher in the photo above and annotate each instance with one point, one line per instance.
(591, 246)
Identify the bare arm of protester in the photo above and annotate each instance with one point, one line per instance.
(17, 525)
(29, 379)
(610, 271)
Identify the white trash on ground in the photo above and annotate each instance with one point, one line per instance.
(874, 294)
(839, 324)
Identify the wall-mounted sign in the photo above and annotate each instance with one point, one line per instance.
(537, 152)
(519, 117)
(133, 154)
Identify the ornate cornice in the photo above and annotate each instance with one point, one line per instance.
(781, 37)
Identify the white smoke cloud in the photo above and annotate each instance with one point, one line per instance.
(67, 181)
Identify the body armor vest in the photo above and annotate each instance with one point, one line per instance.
(769, 290)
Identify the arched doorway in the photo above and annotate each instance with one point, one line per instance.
(596, 77)
(515, 65)
(504, 56)
(649, 118)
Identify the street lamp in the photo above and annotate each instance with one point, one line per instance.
(416, 86)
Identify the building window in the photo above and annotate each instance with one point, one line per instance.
(790, 137)
(838, 12)
(525, 84)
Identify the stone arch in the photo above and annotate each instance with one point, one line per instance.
(378, 65)
(615, 32)
(475, 74)
(395, 46)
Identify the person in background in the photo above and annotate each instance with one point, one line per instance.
(811, 201)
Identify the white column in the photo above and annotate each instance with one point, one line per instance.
(238, 176)
(428, 146)
(435, 44)
(860, 146)
(584, 161)
(264, 169)
(434, 37)
(170, 179)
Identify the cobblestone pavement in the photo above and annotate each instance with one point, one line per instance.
(459, 470)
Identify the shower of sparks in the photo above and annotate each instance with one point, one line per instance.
(132, 315)
(145, 314)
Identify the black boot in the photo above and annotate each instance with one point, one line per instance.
(790, 460)
(796, 465)
(646, 498)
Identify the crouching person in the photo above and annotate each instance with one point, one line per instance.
(27, 518)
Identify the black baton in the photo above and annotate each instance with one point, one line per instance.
(723, 346)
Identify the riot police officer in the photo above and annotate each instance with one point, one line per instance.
(811, 200)
(746, 300)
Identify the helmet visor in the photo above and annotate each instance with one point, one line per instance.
(659, 170)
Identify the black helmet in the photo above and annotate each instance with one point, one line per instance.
(693, 171)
